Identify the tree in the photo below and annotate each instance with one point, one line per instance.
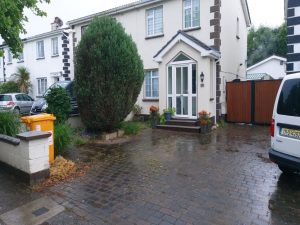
(12, 21)
(23, 79)
(9, 87)
(108, 74)
(264, 42)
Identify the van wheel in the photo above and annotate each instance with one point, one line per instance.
(286, 170)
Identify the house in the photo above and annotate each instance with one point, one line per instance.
(271, 68)
(47, 57)
(190, 48)
(292, 14)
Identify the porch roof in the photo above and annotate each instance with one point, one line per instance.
(205, 50)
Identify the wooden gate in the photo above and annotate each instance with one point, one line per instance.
(251, 101)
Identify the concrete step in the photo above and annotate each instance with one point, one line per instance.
(187, 123)
(190, 129)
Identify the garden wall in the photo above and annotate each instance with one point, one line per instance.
(26, 156)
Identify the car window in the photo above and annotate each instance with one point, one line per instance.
(289, 104)
(27, 98)
(5, 98)
(19, 97)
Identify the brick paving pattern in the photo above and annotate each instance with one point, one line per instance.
(174, 178)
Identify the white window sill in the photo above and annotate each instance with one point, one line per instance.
(150, 99)
(54, 56)
(40, 58)
(191, 29)
(9, 63)
(154, 36)
(21, 61)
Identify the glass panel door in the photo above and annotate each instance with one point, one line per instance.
(182, 91)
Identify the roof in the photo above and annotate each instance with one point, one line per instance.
(190, 40)
(266, 60)
(40, 36)
(114, 11)
(139, 4)
(257, 76)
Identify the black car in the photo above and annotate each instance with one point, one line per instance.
(40, 105)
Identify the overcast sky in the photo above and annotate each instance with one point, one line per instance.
(263, 12)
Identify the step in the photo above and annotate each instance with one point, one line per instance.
(187, 123)
(195, 129)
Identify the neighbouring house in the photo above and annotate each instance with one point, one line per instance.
(47, 57)
(190, 48)
(292, 14)
(271, 68)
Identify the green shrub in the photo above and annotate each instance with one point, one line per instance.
(59, 103)
(9, 87)
(79, 141)
(109, 74)
(132, 127)
(62, 138)
(9, 124)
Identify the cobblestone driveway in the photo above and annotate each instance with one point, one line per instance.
(173, 178)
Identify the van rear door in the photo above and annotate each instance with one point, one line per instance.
(287, 119)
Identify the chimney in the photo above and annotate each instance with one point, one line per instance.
(58, 23)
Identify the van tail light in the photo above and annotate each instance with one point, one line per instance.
(11, 104)
(272, 128)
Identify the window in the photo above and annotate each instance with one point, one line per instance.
(155, 21)
(21, 57)
(289, 104)
(238, 28)
(83, 29)
(151, 84)
(9, 56)
(42, 85)
(40, 53)
(191, 12)
(54, 46)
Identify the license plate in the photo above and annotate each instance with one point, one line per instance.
(290, 133)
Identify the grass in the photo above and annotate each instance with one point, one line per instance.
(79, 140)
(132, 127)
(9, 123)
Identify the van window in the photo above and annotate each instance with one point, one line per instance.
(5, 98)
(289, 104)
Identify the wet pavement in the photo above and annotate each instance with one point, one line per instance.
(162, 177)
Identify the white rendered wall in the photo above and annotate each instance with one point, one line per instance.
(272, 67)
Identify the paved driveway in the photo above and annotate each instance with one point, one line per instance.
(174, 178)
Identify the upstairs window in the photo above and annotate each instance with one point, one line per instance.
(151, 84)
(40, 53)
(155, 21)
(9, 57)
(191, 13)
(54, 46)
(21, 57)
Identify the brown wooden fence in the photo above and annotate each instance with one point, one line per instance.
(251, 101)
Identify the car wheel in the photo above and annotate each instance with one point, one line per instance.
(286, 170)
(17, 111)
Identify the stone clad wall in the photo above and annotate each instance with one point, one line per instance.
(26, 156)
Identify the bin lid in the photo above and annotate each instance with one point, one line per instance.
(36, 118)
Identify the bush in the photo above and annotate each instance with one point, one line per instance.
(108, 75)
(62, 138)
(59, 103)
(9, 87)
(132, 127)
(10, 124)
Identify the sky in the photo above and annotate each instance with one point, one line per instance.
(263, 12)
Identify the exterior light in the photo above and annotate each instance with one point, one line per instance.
(202, 77)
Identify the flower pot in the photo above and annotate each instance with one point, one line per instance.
(168, 116)
(205, 129)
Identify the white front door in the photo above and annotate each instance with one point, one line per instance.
(182, 91)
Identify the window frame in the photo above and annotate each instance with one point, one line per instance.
(38, 56)
(21, 57)
(53, 53)
(183, 15)
(40, 86)
(9, 57)
(151, 71)
(153, 22)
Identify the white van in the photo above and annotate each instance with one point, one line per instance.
(285, 128)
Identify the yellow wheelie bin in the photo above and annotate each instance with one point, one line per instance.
(42, 122)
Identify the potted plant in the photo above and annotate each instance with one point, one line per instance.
(154, 116)
(169, 113)
(205, 121)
